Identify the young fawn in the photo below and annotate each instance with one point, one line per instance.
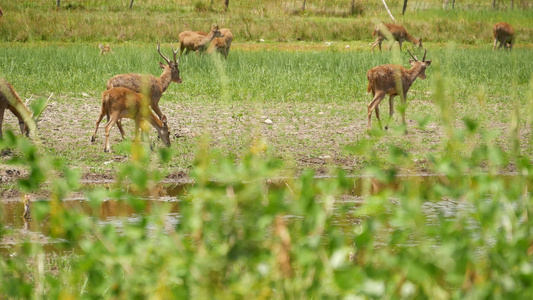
(105, 49)
(118, 103)
(505, 34)
(393, 80)
(397, 32)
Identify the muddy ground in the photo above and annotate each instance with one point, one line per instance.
(304, 135)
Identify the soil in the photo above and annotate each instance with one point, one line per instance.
(305, 136)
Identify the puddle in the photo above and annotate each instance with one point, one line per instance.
(118, 213)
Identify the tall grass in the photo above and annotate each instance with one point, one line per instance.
(112, 21)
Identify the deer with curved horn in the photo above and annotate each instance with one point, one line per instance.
(149, 84)
(393, 80)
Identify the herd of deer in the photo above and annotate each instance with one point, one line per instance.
(132, 95)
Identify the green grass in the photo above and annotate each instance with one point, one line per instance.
(228, 99)
(112, 21)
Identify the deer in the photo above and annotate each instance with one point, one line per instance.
(505, 34)
(105, 49)
(394, 31)
(9, 99)
(222, 44)
(120, 102)
(196, 41)
(146, 83)
(393, 80)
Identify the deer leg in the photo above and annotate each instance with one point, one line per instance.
(102, 113)
(391, 110)
(400, 42)
(2, 110)
(495, 43)
(377, 116)
(402, 110)
(108, 126)
(119, 125)
(371, 106)
(374, 45)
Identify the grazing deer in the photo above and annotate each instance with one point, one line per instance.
(105, 49)
(394, 31)
(505, 34)
(118, 103)
(196, 41)
(393, 80)
(10, 99)
(222, 44)
(154, 86)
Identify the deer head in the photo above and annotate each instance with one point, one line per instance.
(163, 132)
(422, 64)
(171, 65)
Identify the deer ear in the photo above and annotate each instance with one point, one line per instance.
(162, 65)
(428, 62)
(164, 119)
(412, 62)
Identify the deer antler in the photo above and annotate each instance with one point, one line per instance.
(416, 59)
(174, 53)
(164, 57)
(425, 52)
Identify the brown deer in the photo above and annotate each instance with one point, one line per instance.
(392, 31)
(196, 41)
(222, 44)
(393, 80)
(154, 86)
(505, 34)
(10, 99)
(118, 103)
(105, 49)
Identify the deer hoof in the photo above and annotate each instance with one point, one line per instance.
(386, 127)
(93, 139)
(107, 150)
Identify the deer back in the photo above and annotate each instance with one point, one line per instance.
(139, 83)
(503, 31)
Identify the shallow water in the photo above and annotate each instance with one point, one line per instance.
(119, 213)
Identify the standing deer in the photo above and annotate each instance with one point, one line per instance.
(393, 80)
(105, 49)
(505, 34)
(394, 31)
(196, 41)
(10, 99)
(118, 103)
(222, 44)
(154, 86)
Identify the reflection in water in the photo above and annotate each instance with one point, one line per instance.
(119, 213)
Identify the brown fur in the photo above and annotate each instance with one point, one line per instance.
(10, 99)
(398, 33)
(505, 34)
(222, 44)
(393, 80)
(146, 83)
(196, 41)
(118, 103)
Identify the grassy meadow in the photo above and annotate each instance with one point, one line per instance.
(270, 211)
